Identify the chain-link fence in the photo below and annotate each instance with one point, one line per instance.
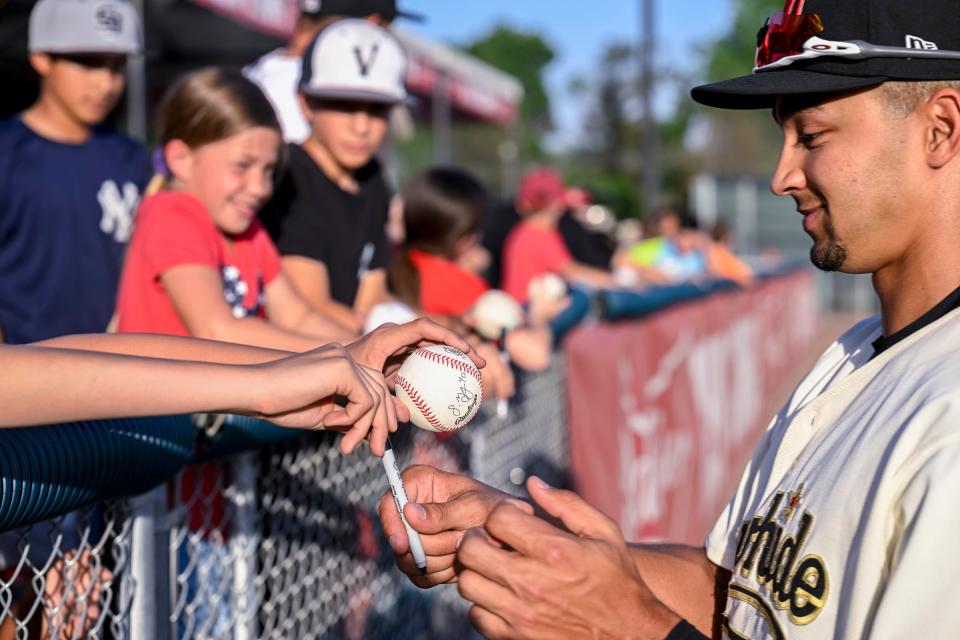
(280, 540)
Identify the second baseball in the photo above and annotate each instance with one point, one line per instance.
(441, 387)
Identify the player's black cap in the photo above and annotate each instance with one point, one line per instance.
(387, 9)
(828, 46)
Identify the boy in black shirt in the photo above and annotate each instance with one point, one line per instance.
(329, 212)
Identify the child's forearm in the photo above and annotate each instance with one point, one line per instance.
(44, 385)
(168, 347)
(263, 334)
(339, 313)
(326, 328)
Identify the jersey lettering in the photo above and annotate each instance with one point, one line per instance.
(767, 549)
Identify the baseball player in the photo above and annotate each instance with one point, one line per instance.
(845, 520)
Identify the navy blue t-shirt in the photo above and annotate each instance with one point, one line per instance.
(66, 213)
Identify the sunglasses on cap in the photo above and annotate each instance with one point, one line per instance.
(789, 37)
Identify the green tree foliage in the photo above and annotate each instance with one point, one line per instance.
(740, 142)
(477, 145)
(607, 160)
(732, 55)
(525, 56)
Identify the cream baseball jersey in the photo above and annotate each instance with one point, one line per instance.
(846, 519)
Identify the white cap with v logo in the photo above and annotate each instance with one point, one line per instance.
(355, 60)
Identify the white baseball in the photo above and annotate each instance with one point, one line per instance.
(548, 286)
(441, 387)
(495, 311)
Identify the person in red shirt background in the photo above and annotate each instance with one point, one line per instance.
(535, 246)
(435, 271)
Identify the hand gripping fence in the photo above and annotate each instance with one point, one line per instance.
(158, 528)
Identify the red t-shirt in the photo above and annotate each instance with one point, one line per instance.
(445, 288)
(173, 229)
(530, 251)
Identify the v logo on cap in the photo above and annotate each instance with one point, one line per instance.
(365, 64)
(354, 60)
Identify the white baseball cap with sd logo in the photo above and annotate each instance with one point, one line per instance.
(84, 26)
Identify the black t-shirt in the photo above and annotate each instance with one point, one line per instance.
(310, 216)
(586, 247)
(497, 224)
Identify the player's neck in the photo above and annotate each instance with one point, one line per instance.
(49, 119)
(338, 174)
(909, 290)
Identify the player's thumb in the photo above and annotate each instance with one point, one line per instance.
(461, 514)
(574, 512)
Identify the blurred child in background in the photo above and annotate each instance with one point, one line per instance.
(199, 263)
(329, 213)
(681, 252)
(535, 246)
(69, 182)
(436, 269)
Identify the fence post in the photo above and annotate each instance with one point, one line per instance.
(150, 546)
(244, 542)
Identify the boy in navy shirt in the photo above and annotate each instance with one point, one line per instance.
(69, 185)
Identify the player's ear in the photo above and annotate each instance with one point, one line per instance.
(41, 63)
(942, 112)
(179, 158)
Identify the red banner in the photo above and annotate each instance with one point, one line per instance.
(665, 410)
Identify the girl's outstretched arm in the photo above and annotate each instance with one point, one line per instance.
(152, 345)
(44, 385)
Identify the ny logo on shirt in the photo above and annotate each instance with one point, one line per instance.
(118, 209)
(366, 62)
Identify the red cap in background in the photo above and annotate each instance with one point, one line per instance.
(577, 197)
(539, 189)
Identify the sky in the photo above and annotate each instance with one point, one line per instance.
(578, 32)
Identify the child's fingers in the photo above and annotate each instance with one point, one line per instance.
(360, 405)
(361, 426)
(403, 413)
(384, 419)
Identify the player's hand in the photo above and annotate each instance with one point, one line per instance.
(326, 389)
(385, 348)
(442, 507)
(529, 579)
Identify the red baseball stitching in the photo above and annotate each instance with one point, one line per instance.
(440, 358)
(421, 404)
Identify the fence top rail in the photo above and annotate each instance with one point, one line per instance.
(50, 470)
